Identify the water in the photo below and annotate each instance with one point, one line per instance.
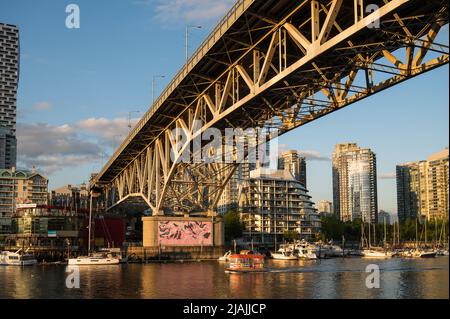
(331, 278)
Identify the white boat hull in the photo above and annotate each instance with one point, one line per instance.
(283, 257)
(377, 254)
(16, 259)
(93, 261)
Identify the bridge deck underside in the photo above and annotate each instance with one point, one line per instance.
(283, 64)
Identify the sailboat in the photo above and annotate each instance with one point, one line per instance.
(375, 252)
(419, 252)
(105, 257)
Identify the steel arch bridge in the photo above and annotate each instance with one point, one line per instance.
(270, 63)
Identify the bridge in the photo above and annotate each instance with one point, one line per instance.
(275, 64)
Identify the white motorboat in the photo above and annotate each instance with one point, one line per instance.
(284, 254)
(225, 257)
(372, 253)
(305, 253)
(419, 253)
(330, 251)
(305, 250)
(17, 258)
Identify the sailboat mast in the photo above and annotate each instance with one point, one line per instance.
(90, 222)
(370, 243)
(374, 235)
(385, 231)
(393, 234)
(417, 245)
(362, 235)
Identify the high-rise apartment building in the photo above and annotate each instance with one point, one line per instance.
(384, 217)
(423, 188)
(295, 164)
(325, 207)
(354, 183)
(9, 79)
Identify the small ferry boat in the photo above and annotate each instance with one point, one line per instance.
(17, 258)
(243, 263)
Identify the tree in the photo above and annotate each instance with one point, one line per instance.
(233, 225)
(291, 236)
(332, 228)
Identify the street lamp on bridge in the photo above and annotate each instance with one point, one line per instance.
(153, 85)
(187, 40)
(129, 118)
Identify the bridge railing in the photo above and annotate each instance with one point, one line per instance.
(221, 28)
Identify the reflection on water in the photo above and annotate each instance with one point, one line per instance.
(331, 278)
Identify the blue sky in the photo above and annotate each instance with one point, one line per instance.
(78, 85)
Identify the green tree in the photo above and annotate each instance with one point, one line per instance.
(233, 225)
(332, 228)
(290, 236)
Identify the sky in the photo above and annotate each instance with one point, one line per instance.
(79, 87)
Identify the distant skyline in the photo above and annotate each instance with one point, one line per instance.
(77, 87)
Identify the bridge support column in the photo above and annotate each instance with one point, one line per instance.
(177, 231)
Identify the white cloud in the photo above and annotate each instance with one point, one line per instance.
(313, 155)
(42, 106)
(387, 176)
(52, 148)
(198, 11)
(309, 155)
(110, 130)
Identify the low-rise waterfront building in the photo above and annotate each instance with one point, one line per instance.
(19, 187)
(71, 196)
(273, 202)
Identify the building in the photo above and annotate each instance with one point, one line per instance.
(9, 80)
(325, 207)
(295, 164)
(229, 198)
(422, 188)
(384, 216)
(70, 196)
(19, 187)
(273, 202)
(8, 148)
(354, 183)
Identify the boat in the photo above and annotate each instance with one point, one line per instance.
(106, 256)
(17, 258)
(284, 255)
(373, 253)
(225, 257)
(98, 258)
(305, 250)
(245, 263)
(330, 250)
(418, 253)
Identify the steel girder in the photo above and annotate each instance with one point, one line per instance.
(280, 64)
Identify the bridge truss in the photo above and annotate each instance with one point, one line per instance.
(275, 64)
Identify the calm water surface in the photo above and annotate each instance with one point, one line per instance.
(331, 278)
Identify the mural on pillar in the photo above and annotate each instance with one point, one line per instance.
(188, 233)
